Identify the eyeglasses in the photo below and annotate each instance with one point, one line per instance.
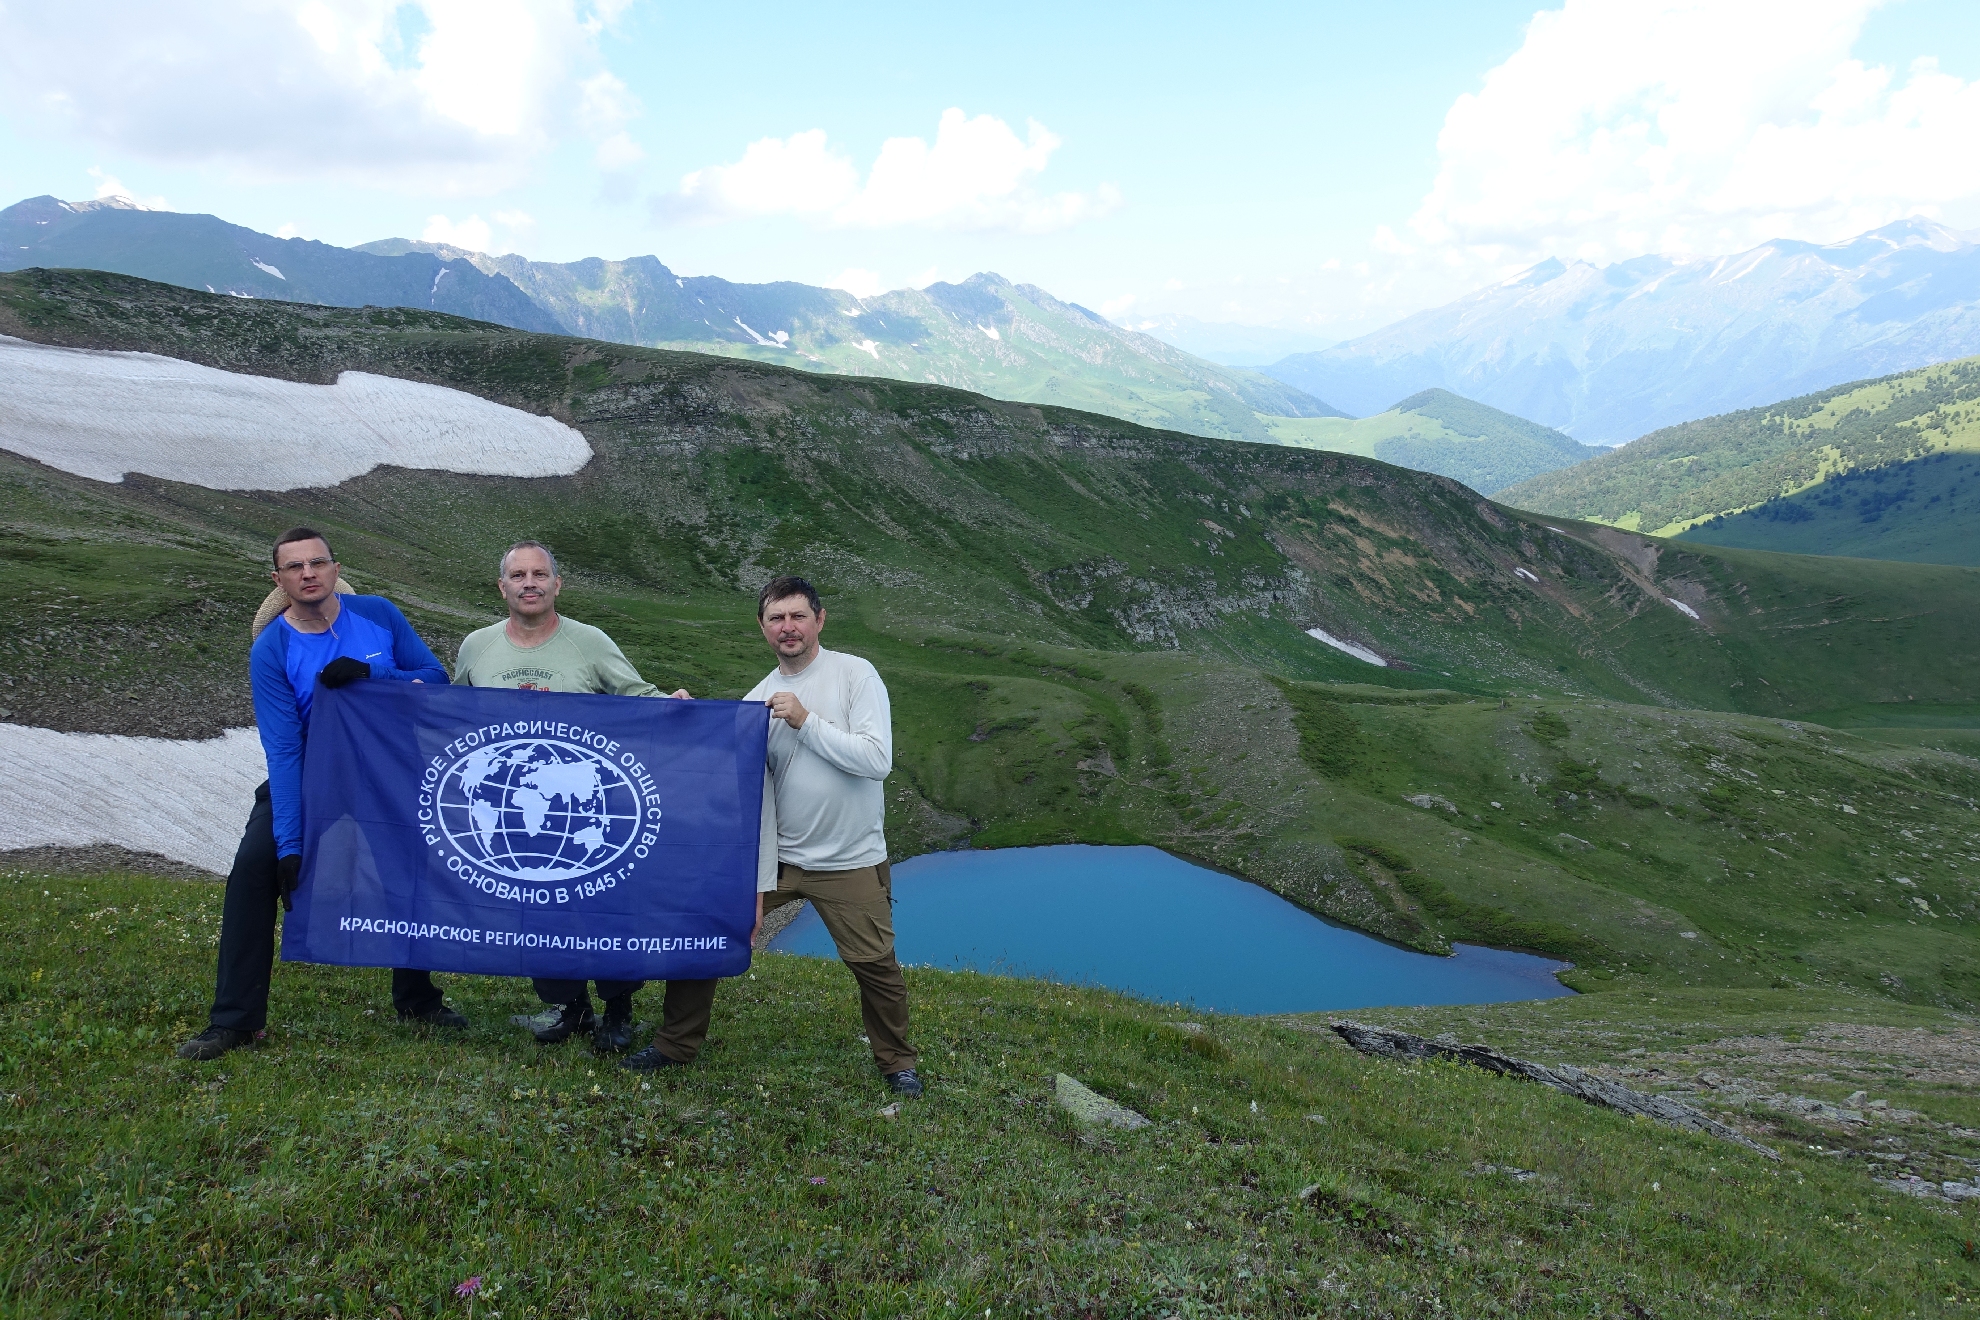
(296, 564)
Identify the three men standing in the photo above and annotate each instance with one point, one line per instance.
(831, 748)
(822, 833)
(326, 638)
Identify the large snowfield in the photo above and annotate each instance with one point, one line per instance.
(183, 800)
(103, 414)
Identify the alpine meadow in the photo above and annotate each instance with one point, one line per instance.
(1735, 788)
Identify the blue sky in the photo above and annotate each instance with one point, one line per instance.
(1322, 168)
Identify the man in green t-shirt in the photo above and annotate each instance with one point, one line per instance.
(537, 649)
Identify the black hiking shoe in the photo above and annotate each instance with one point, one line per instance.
(649, 1059)
(437, 1016)
(214, 1042)
(614, 1033)
(904, 1083)
(560, 1022)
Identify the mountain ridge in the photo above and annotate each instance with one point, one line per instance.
(941, 334)
(1010, 340)
(206, 252)
(1613, 352)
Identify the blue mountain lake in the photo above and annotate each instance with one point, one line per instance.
(1155, 926)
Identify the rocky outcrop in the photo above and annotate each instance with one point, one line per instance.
(1388, 1043)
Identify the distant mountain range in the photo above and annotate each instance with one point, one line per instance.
(985, 334)
(205, 252)
(1010, 341)
(1608, 353)
(1437, 431)
(1882, 469)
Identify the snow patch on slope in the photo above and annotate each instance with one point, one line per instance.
(101, 415)
(777, 339)
(1358, 652)
(184, 800)
(261, 265)
(1681, 607)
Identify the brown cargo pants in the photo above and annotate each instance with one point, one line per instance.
(857, 909)
(684, 1018)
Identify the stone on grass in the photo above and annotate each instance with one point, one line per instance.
(1092, 1108)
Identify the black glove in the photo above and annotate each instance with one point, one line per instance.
(288, 874)
(342, 670)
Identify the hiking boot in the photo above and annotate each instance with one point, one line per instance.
(649, 1059)
(214, 1042)
(437, 1016)
(560, 1022)
(614, 1034)
(904, 1083)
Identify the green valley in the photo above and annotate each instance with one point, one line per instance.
(1057, 595)
(1438, 431)
(1735, 788)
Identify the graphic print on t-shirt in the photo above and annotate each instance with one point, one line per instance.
(532, 678)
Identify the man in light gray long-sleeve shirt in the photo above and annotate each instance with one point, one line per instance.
(831, 748)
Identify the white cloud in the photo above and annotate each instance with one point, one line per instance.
(438, 95)
(477, 235)
(977, 174)
(859, 283)
(109, 185)
(1628, 126)
(619, 152)
(471, 233)
(605, 107)
(799, 175)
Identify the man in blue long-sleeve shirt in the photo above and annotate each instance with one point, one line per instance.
(332, 639)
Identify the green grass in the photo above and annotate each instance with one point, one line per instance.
(1682, 475)
(351, 1166)
(1921, 511)
(1619, 828)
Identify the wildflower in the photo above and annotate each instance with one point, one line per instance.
(468, 1287)
(816, 1182)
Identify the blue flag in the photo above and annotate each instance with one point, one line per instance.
(517, 833)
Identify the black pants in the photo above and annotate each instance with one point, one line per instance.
(552, 991)
(247, 935)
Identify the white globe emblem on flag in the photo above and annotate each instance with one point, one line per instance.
(538, 809)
